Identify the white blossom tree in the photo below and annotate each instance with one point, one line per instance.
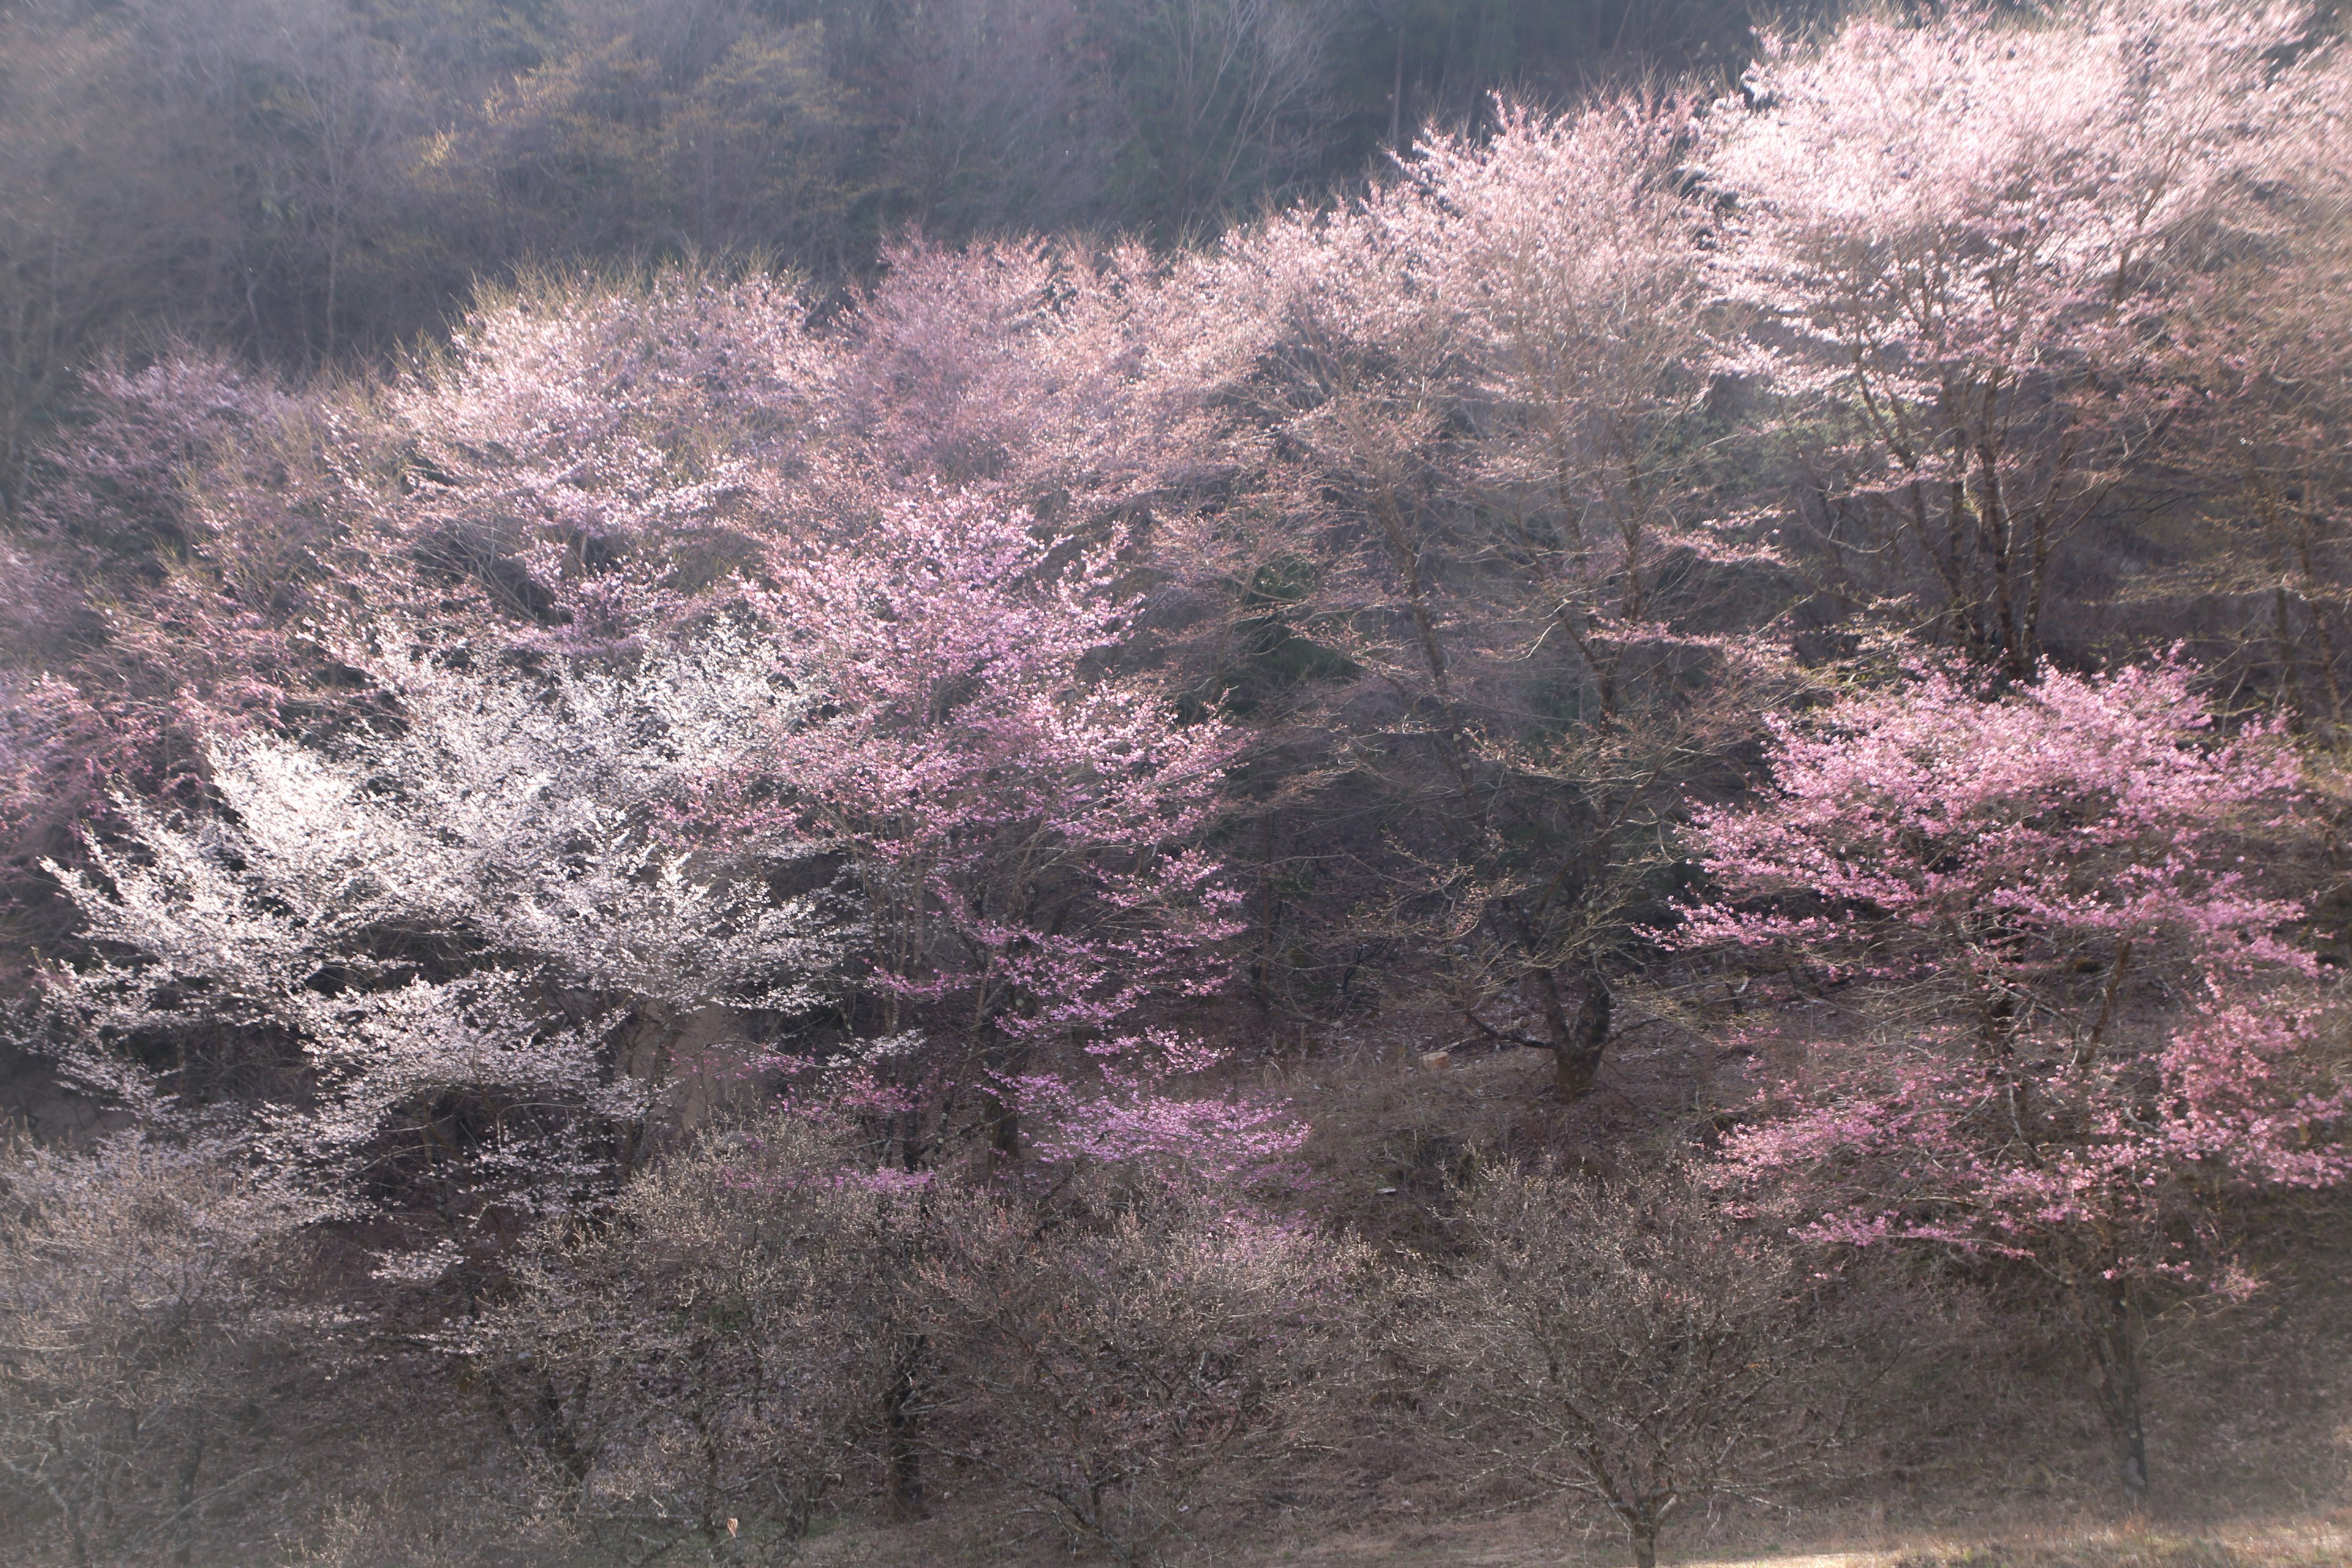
(423, 940)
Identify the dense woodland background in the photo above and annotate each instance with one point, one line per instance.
(1169, 778)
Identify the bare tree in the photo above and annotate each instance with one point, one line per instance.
(996, 116)
(1106, 1373)
(708, 1365)
(131, 1308)
(1621, 1344)
(1221, 98)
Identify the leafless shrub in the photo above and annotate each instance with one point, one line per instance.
(1103, 1373)
(131, 1306)
(1621, 1343)
(704, 1365)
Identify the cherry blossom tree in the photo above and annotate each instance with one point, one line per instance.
(1969, 233)
(134, 616)
(2091, 1033)
(403, 957)
(591, 459)
(1492, 516)
(1018, 823)
(1074, 383)
(1017, 814)
(2258, 358)
(588, 461)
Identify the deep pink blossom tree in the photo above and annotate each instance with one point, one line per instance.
(1018, 821)
(2078, 1034)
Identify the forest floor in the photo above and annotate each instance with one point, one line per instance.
(2310, 1543)
(1532, 1540)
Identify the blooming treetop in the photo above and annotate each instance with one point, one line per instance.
(1965, 238)
(1967, 196)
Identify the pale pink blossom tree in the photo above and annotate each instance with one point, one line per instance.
(1075, 383)
(588, 462)
(2082, 1028)
(1492, 529)
(1968, 235)
(2260, 357)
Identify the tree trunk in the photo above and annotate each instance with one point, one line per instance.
(1004, 1131)
(2132, 1458)
(183, 1524)
(1001, 1110)
(1261, 975)
(1645, 1546)
(1577, 1047)
(2112, 1318)
(906, 1457)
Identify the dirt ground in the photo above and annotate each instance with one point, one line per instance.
(1534, 1540)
